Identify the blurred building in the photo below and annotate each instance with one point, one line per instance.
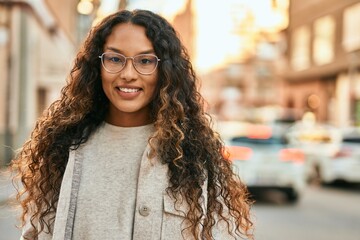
(183, 23)
(37, 43)
(324, 58)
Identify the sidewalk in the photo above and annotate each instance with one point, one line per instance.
(7, 190)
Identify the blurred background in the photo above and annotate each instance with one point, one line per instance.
(292, 66)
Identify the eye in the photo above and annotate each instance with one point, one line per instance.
(114, 59)
(145, 59)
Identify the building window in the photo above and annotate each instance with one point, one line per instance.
(351, 36)
(300, 57)
(324, 39)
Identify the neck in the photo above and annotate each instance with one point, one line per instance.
(128, 120)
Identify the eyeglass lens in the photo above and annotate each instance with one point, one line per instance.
(143, 63)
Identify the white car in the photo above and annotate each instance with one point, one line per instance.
(331, 155)
(267, 163)
(345, 164)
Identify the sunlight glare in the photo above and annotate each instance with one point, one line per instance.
(216, 40)
(166, 8)
(227, 32)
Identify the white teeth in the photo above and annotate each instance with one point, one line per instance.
(129, 90)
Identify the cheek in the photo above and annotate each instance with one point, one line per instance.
(106, 80)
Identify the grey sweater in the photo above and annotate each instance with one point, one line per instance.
(107, 193)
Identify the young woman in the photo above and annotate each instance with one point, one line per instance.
(128, 152)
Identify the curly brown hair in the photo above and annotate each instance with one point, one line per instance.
(184, 137)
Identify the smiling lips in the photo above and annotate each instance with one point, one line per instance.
(128, 90)
(128, 93)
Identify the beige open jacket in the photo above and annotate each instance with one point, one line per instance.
(156, 216)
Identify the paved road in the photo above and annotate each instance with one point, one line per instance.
(8, 222)
(324, 213)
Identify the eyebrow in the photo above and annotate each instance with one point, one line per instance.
(119, 51)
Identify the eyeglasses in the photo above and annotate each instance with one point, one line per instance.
(143, 63)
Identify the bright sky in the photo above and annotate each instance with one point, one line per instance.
(167, 8)
(216, 40)
(218, 24)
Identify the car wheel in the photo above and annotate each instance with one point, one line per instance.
(292, 196)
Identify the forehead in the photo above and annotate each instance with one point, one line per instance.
(128, 38)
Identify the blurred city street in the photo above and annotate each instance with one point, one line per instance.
(281, 79)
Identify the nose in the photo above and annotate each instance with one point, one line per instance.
(129, 73)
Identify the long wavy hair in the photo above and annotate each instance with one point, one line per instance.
(184, 137)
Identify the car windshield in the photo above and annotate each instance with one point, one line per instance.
(260, 141)
(352, 140)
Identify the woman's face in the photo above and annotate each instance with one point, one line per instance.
(128, 91)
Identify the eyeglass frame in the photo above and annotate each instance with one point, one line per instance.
(126, 58)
